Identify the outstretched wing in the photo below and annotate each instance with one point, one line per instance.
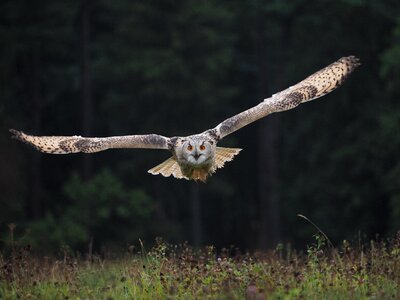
(74, 144)
(313, 87)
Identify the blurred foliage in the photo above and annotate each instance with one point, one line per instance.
(102, 207)
(180, 67)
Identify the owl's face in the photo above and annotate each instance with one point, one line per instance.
(197, 152)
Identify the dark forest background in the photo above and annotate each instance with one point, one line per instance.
(100, 68)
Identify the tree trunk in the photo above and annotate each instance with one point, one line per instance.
(268, 159)
(34, 77)
(268, 182)
(86, 90)
(196, 214)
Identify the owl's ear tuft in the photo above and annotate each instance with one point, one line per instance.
(168, 168)
(223, 155)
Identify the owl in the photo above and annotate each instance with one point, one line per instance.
(197, 156)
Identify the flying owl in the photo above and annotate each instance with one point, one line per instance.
(197, 156)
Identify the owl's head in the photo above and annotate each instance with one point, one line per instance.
(197, 151)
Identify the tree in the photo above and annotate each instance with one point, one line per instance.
(86, 88)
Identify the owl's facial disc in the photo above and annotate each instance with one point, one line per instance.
(197, 153)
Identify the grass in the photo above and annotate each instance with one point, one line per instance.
(181, 272)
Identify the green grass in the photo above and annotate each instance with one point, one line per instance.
(180, 272)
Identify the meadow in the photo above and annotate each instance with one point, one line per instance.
(349, 271)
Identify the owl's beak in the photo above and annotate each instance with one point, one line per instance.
(196, 155)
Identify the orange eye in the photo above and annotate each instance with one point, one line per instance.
(202, 147)
(190, 148)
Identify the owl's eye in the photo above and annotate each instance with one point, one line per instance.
(202, 147)
(190, 148)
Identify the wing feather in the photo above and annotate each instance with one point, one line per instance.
(168, 168)
(74, 144)
(313, 87)
(223, 155)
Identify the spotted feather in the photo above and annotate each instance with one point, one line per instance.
(74, 144)
(313, 87)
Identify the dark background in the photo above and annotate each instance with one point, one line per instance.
(100, 68)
